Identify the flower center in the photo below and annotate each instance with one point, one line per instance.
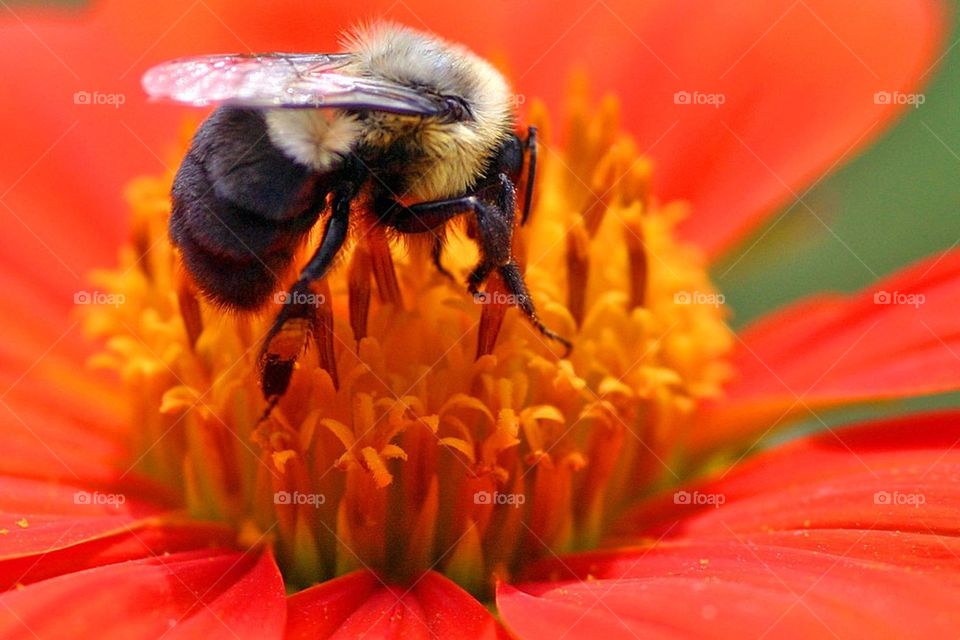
(417, 454)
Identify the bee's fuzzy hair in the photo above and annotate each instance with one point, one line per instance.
(317, 138)
(451, 155)
(414, 58)
(454, 153)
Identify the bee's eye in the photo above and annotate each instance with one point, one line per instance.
(458, 108)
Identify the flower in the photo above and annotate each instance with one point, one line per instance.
(403, 483)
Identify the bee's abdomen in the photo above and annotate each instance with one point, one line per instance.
(240, 208)
(238, 284)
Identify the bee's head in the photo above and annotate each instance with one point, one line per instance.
(481, 113)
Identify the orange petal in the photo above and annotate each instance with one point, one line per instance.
(360, 605)
(852, 534)
(206, 593)
(896, 339)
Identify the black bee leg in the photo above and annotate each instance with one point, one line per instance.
(479, 275)
(495, 227)
(436, 253)
(422, 217)
(299, 320)
(515, 284)
(494, 233)
(427, 216)
(531, 148)
(284, 343)
(333, 238)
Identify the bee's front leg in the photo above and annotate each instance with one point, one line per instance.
(494, 214)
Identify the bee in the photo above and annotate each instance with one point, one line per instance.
(402, 128)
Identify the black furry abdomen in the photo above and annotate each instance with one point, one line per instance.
(240, 208)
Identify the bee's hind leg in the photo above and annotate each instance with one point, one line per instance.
(301, 316)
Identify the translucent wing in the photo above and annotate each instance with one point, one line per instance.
(294, 80)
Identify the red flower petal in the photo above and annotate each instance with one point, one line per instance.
(853, 534)
(73, 552)
(898, 338)
(48, 529)
(196, 594)
(46, 443)
(360, 605)
(798, 79)
(829, 481)
(735, 589)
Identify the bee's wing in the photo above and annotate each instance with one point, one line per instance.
(294, 80)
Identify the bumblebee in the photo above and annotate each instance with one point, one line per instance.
(402, 127)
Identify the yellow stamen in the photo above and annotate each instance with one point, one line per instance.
(430, 431)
